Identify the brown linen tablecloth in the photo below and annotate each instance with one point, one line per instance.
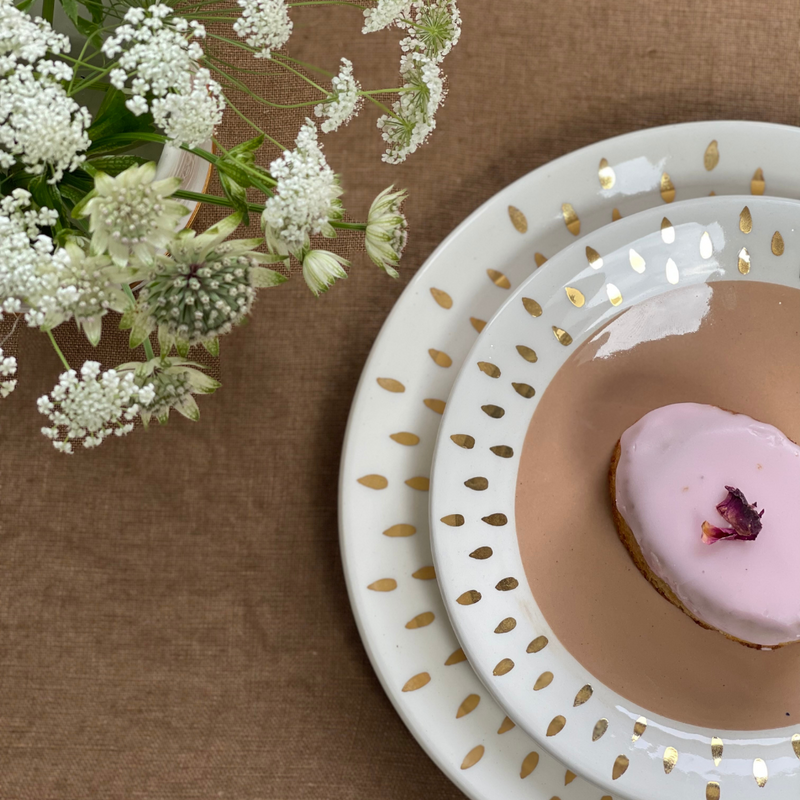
(173, 615)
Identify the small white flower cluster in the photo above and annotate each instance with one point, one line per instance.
(322, 268)
(26, 39)
(264, 25)
(306, 198)
(162, 63)
(92, 407)
(434, 28)
(387, 230)
(8, 368)
(344, 102)
(385, 14)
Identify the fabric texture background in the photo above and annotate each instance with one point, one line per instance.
(174, 623)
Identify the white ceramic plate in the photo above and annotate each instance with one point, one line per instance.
(434, 324)
(701, 242)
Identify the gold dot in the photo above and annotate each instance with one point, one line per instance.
(455, 657)
(667, 188)
(744, 261)
(518, 219)
(506, 625)
(469, 598)
(463, 440)
(569, 776)
(529, 763)
(712, 790)
(636, 261)
(671, 270)
(435, 405)
(506, 725)
(532, 307)
(667, 231)
(600, 727)
(420, 483)
(539, 643)
(502, 451)
(706, 248)
(498, 279)
(571, 219)
(620, 767)
(478, 324)
(716, 750)
(495, 412)
(796, 744)
(473, 757)
(507, 585)
(405, 438)
(498, 519)
(543, 681)
(639, 727)
(615, 215)
(562, 336)
(424, 574)
(594, 258)
(527, 353)
(453, 520)
(575, 296)
(383, 585)
(583, 696)
(503, 667)
(477, 484)
(391, 385)
(614, 294)
(421, 620)
(777, 244)
(524, 389)
(468, 706)
(482, 553)
(539, 259)
(442, 298)
(745, 220)
(374, 482)
(760, 772)
(556, 725)
(400, 530)
(758, 184)
(606, 174)
(492, 370)
(417, 682)
(439, 358)
(711, 156)
(670, 759)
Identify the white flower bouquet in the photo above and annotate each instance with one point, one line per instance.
(88, 234)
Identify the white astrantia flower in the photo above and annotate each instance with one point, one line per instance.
(25, 38)
(387, 230)
(321, 269)
(264, 25)
(8, 368)
(434, 28)
(92, 407)
(344, 101)
(385, 14)
(131, 215)
(306, 197)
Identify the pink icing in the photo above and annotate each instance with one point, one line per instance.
(673, 468)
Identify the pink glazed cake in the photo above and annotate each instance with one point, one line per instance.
(708, 504)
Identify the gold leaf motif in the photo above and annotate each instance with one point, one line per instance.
(777, 244)
(606, 174)
(620, 767)
(420, 483)
(744, 261)
(569, 777)
(712, 790)
(495, 412)
(439, 358)
(639, 727)
(518, 219)
(425, 574)
(673, 275)
(507, 584)
(453, 520)
(556, 725)
(442, 298)
(383, 585)
(391, 385)
(502, 451)
(506, 725)
(539, 643)
(435, 405)
(377, 482)
(667, 231)
(583, 696)
(498, 519)
(477, 484)
(405, 438)
(562, 336)
(615, 215)
(498, 279)
(796, 744)
(478, 324)
(711, 156)
(503, 667)
(468, 706)
(614, 294)
(706, 247)
(463, 440)
(529, 763)
(571, 219)
(539, 259)
(543, 681)
(421, 620)
(745, 220)
(417, 682)
(716, 750)
(527, 353)
(594, 258)
(469, 598)
(400, 530)
(487, 368)
(636, 261)
(473, 757)
(524, 390)
(600, 727)
(667, 188)
(575, 296)
(760, 772)
(482, 553)
(455, 657)
(670, 759)
(532, 307)
(506, 625)
(758, 184)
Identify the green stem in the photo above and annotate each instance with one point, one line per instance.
(48, 9)
(214, 200)
(383, 91)
(86, 83)
(382, 106)
(148, 348)
(325, 3)
(58, 349)
(304, 64)
(349, 226)
(299, 75)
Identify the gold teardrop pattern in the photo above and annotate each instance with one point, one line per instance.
(487, 368)
(470, 703)
(478, 324)
(507, 585)
(620, 767)
(583, 696)
(477, 484)
(420, 483)
(712, 790)
(506, 625)
(711, 156)
(562, 336)
(615, 215)
(667, 231)
(506, 725)
(417, 682)
(594, 258)
(706, 247)
(744, 261)
(667, 188)
(524, 390)
(636, 261)
(600, 728)
(539, 644)
(456, 657)
(575, 296)
(527, 353)
(518, 219)
(482, 553)
(760, 772)
(440, 358)
(495, 412)
(376, 482)
(463, 440)
(556, 725)
(543, 681)
(672, 273)
(758, 184)
(497, 520)
(383, 585)
(716, 750)
(539, 259)
(469, 598)
(405, 438)
(639, 727)
(569, 776)
(502, 451)
(453, 520)
(777, 245)
(529, 763)
(571, 219)
(425, 574)
(606, 175)
(614, 294)
(442, 298)
(421, 620)
(532, 307)
(400, 531)
(391, 385)
(745, 220)
(503, 667)
(670, 759)
(435, 405)
(796, 744)
(498, 279)
(473, 757)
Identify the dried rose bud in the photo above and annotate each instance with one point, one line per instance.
(744, 519)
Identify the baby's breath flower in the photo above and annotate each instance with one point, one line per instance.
(385, 14)
(92, 406)
(344, 102)
(8, 368)
(306, 199)
(387, 232)
(321, 269)
(434, 28)
(131, 215)
(264, 25)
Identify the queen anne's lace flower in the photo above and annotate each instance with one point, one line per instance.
(434, 28)
(8, 368)
(92, 407)
(385, 14)
(321, 269)
(387, 230)
(344, 101)
(306, 199)
(264, 25)
(26, 39)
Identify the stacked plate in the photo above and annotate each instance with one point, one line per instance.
(530, 656)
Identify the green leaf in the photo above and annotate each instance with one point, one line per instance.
(70, 9)
(232, 169)
(245, 151)
(71, 193)
(263, 278)
(182, 348)
(24, 5)
(212, 346)
(113, 165)
(90, 29)
(114, 118)
(94, 8)
(236, 194)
